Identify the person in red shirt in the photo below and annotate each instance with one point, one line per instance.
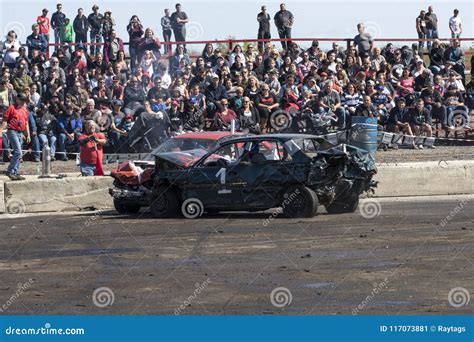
(44, 25)
(91, 150)
(15, 120)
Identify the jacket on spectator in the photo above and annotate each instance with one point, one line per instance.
(81, 25)
(37, 42)
(67, 32)
(108, 47)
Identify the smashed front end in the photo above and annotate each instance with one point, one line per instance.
(340, 171)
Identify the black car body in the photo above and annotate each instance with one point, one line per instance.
(293, 172)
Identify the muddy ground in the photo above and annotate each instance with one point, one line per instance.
(404, 260)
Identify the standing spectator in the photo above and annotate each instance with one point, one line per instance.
(36, 41)
(135, 33)
(284, 21)
(149, 43)
(12, 49)
(95, 23)
(44, 24)
(431, 26)
(363, 41)
(81, 27)
(91, 150)
(15, 120)
(421, 28)
(166, 26)
(112, 46)
(455, 25)
(67, 32)
(263, 19)
(57, 21)
(108, 24)
(178, 22)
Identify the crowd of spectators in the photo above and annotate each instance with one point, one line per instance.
(112, 84)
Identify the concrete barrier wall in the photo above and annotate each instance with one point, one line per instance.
(55, 195)
(81, 193)
(425, 179)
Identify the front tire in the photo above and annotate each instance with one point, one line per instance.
(165, 204)
(300, 201)
(343, 205)
(126, 208)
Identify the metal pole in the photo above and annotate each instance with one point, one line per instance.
(46, 162)
(232, 126)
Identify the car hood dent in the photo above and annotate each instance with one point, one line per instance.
(183, 159)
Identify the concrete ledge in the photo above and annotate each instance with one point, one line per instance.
(74, 193)
(55, 195)
(425, 179)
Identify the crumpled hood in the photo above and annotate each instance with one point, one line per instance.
(184, 159)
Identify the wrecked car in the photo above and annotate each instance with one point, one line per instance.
(292, 172)
(133, 179)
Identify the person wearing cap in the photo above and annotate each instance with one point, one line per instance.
(284, 20)
(108, 25)
(36, 41)
(44, 24)
(455, 25)
(420, 120)
(95, 23)
(81, 27)
(57, 22)
(15, 121)
(263, 19)
(179, 19)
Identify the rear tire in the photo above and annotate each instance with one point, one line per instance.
(343, 205)
(165, 204)
(300, 201)
(126, 208)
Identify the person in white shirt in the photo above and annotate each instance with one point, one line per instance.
(12, 48)
(455, 25)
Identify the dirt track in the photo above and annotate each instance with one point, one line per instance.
(403, 261)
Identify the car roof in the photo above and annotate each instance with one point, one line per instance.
(278, 136)
(206, 135)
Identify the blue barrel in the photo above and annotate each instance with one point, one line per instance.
(364, 133)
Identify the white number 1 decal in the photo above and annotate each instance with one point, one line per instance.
(221, 174)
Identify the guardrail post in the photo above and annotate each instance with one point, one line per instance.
(46, 162)
(230, 45)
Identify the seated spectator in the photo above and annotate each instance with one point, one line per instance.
(36, 41)
(398, 120)
(47, 129)
(224, 116)
(351, 99)
(248, 117)
(330, 102)
(420, 120)
(366, 108)
(134, 95)
(266, 103)
(69, 128)
(111, 47)
(434, 103)
(455, 107)
(382, 102)
(180, 56)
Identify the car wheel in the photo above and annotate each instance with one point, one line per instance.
(124, 208)
(165, 204)
(347, 204)
(300, 201)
